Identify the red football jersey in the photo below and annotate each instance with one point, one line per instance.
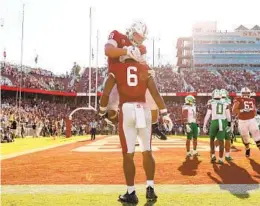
(246, 104)
(120, 40)
(131, 80)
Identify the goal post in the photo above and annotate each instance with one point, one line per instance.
(69, 118)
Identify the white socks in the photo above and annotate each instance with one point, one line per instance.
(130, 189)
(227, 154)
(150, 183)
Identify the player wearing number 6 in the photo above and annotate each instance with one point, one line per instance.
(135, 120)
(121, 47)
(219, 112)
(245, 109)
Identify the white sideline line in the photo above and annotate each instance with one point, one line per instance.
(107, 189)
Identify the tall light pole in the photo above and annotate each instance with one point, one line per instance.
(21, 70)
(90, 57)
(96, 71)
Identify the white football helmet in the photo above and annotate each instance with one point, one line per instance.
(245, 92)
(139, 28)
(224, 93)
(216, 94)
(190, 99)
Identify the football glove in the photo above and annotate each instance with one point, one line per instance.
(134, 53)
(188, 129)
(151, 72)
(102, 113)
(167, 122)
(205, 129)
(228, 128)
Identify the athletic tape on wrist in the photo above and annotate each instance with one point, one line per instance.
(163, 111)
(102, 109)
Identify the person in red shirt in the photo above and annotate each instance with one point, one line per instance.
(130, 45)
(132, 80)
(245, 109)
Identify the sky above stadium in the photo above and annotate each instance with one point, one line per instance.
(58, 30)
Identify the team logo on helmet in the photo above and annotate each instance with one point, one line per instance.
(245, 92)
(189, 99)
(216, 94)
(224, 93)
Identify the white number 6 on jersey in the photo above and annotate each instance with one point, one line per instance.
(132, 80)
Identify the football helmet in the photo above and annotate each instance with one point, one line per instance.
(190, 99)
(245, 92)
(137, 33)
(216, 94)
(224, 93)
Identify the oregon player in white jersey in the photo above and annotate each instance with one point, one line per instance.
(226, 100)
(191, 127)
(219, 112)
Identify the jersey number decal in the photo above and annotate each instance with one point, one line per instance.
(132, 80)
(220, 108)
(248, 105)
(111, 36)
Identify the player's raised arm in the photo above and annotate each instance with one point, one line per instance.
(111, 47)
(235, 109)
(110, 82)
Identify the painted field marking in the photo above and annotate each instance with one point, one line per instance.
(106, 189)
(112, 144)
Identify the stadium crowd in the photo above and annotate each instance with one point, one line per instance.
(168, 79)
(44, 115)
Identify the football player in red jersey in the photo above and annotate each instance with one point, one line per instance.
(130, 45)
(132, 80)
(245, 109)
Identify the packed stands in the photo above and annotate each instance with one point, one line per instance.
(168, 80)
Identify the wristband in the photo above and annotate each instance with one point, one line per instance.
(162, 111)
(102, 109)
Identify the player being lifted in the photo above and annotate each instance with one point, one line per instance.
(219, 112)
(132, 81)
(189, 120)
(130, 45)
(245, 109)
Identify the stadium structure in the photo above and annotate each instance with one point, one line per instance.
(220, 51)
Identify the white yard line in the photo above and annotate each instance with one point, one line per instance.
(106, 189)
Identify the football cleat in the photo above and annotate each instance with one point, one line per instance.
(228, 159)
(213, 159)
(157, 132)
(188, 155)
(128, 198)
(150, 194)
(196, 153)
(220, 162)
(248, 152)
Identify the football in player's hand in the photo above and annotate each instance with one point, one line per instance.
(113, 116)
